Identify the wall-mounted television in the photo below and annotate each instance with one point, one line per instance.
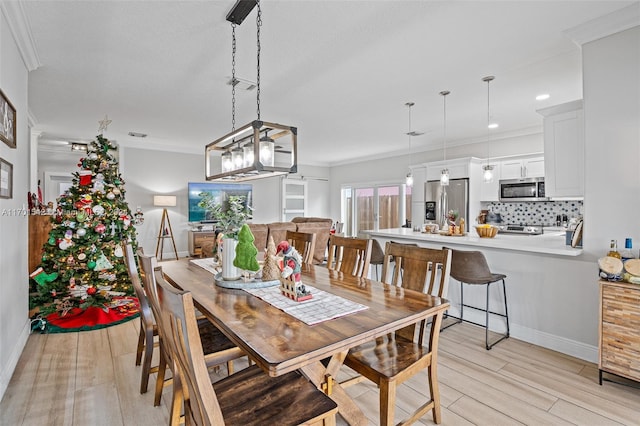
(220, 191)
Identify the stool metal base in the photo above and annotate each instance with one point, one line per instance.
(487, 311)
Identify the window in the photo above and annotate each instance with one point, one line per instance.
(375, 207)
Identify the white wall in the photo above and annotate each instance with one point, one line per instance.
(147, 172)
(14, 281)
(394, 169)
(611, 76)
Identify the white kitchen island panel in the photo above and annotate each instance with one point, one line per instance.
(552, 300)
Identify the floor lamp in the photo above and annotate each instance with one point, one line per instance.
(165, 201)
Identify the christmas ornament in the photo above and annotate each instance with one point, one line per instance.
(91, 264)
(82, 257)
(72, 282)
(116, 191)
(102, 263)
(110, 195)
(98, 184)
(52, 241)
(98, 210)
(85, 177)
(87, 198)
(43, 278)
(71, 261)
(100, 228)
(109, 276)
(81, 216)
(63, 245)
(93, 156)
(81, 232)
(118, 251)
(91, 291)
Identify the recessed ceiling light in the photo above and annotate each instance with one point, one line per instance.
(493, 126)
(138, 134)
(542, 97)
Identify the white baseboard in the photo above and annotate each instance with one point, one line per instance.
(16, 351)
(546, 340)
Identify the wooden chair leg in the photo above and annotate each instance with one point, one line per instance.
(176, 402)
(229, 368)
(432, 373)
(162, 367)
(387, 402)
(146, 362)
(140, 345)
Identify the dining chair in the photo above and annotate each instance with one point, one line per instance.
(394, 358)
(304, 243)
(249, 397)
(148, 328)
(218, 348)
(349, 255)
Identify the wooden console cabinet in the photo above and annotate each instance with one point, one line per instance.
(197, 239)
(619, 343)
(39, 227)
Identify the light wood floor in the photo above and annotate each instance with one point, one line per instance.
(90, 378)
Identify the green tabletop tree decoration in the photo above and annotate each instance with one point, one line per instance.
(246, 251)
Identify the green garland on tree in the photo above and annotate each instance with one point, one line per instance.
(83, 263)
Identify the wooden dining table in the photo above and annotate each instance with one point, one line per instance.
(280, 343)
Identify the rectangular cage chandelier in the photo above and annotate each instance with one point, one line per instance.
(254, 151)
(258, 149)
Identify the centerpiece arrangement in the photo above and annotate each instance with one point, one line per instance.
(230, 215)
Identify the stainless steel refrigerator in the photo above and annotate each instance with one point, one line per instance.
(455, 196)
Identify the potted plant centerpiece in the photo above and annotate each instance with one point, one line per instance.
(230, 214)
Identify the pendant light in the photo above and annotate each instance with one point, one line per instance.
(487, 175)
(444, 176)
(250, 152)
(409, 177)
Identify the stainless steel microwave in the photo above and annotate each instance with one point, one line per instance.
(526, 189)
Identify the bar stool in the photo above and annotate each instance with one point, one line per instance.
(470, 267)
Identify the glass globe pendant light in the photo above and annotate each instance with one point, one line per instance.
(444, 177)
(409, 177)
(487, 175)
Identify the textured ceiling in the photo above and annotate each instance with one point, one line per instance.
(341, 71)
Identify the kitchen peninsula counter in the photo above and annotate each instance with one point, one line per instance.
(543, 277)
(548, 243)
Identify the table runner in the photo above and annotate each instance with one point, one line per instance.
(322, 307)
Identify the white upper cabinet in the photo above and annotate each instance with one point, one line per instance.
(522, 168)
(564, 149)
(458, 168)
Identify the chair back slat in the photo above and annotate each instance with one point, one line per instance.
(349, 255)
(147, 264)
(304, 243)
(180, 331)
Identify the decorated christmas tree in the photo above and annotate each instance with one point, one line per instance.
(82, 262)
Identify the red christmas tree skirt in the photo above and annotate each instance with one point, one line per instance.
(93, 317)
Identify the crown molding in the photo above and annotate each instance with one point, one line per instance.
(603, 26)
(21, 31)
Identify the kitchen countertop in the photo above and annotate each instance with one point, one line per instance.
(551, 242)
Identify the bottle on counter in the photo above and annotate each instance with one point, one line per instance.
(627, 253)
(613, 250)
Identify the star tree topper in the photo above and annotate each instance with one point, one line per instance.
(104, 124)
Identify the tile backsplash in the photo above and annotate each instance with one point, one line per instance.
(534, 212)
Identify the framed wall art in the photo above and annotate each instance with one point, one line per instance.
(6, 179)
(7, 121)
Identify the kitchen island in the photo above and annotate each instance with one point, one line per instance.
(543, 277)
(547, 243)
